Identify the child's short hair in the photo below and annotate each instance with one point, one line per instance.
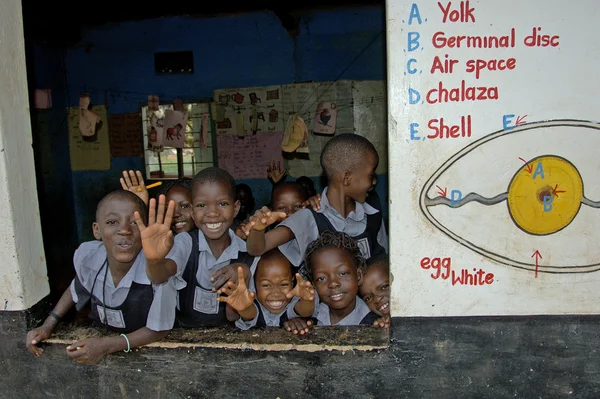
(333, 239)
(344, 152)
(215, 175)
(185, 182)
(378, 260)
(123, 195)
(289, 184)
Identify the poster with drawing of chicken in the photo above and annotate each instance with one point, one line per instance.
(325, 118)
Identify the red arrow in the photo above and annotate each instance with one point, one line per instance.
(555, 191)
(537, 255)
(529, 167)
(442, 192)
(521, 120)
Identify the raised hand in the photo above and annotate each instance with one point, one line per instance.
(88, 351)
(34, 337)
(237, 295)
(134, 182)
(314, 202)
(382, 322)
(240, 231)
(275, 172)
(303, 289)
(157, 237)
(263, 218)
(228, 273)
(298, 325)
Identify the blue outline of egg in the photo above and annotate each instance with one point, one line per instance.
(484, 252)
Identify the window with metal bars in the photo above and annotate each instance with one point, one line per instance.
(198, 153)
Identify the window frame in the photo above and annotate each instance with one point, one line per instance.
(150, 175)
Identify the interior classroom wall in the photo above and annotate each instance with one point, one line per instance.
(115, 64)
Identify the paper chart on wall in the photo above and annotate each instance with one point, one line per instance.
(370, 116)
(304, 98)
(249, 110)
(89, 155)
(247, 157)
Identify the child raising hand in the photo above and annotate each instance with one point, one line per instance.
(275, 301)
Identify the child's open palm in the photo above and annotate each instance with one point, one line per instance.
(274, 172)
(134, 182)
(303, 289)
(237, 295)
(263, 218)
(157, 237)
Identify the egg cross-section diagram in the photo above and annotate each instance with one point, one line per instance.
(528, 195)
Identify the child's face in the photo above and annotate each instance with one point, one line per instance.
(273, 282)
(363, 178)
(213, 209)
(182, 217)
(336, 278)
(288, 200)
(375, 289)
(116, 227)
(246, 201)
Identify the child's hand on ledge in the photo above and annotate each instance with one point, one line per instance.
(34, 337)
(157, 237)
(89, 350)
(382, 322)
(134, 182)
(298, 325)
(263, 218)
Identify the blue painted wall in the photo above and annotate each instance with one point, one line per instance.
(115, 64)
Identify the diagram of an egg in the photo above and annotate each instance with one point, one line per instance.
(527, 197)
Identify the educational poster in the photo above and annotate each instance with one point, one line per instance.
(250, 110)
(125, 133)
(174, 129)
(370, 117)
(248, 157)
(304, 98)
(494, 129)
(89, 153)
(325, 118)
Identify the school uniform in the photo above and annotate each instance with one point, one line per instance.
(264, 318)
(364, 224)
(197, 304)
(361, 315)
(133, 304)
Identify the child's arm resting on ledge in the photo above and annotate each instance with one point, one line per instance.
(91, 350)
(44, 331)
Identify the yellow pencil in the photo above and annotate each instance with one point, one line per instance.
(158, 183)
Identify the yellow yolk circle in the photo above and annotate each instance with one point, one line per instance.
(545, 195)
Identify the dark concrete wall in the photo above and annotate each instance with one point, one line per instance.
(528, 357)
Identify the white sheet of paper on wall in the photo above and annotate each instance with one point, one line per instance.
(155, 136)
(42, 99)
(174, 129)
(88, 121)
(325, 118)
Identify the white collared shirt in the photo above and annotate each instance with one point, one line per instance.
(323, 315)
(89, 258)
(207, 263)
(304, 227)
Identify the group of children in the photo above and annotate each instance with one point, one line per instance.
(177, 260)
